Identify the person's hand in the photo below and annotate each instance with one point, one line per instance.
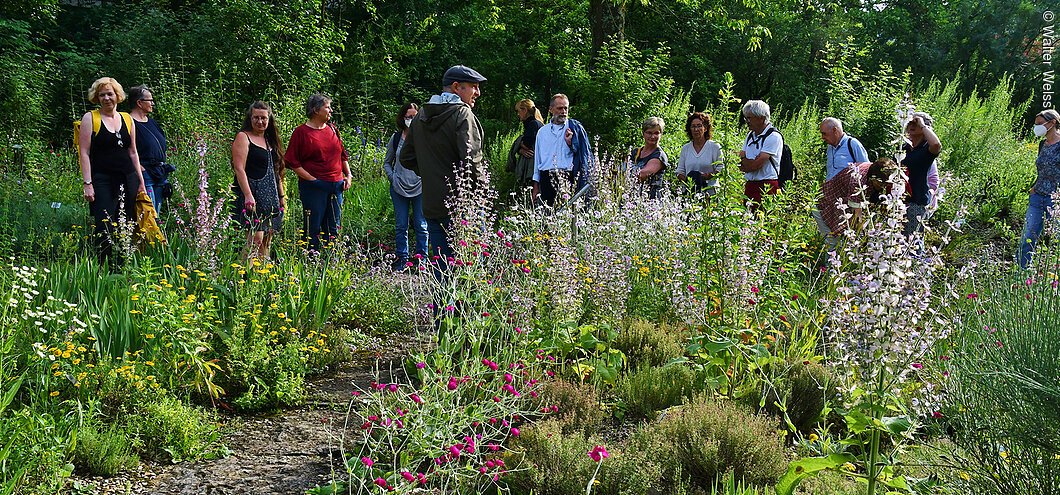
(569, 137)
(527, 153)
(346, 182)
(90, 193)
(743, 154)
(249, 204)
(535, 191)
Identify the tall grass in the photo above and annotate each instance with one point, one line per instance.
(1006, 381)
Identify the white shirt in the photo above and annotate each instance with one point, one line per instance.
(705, 161)
(772, 144)
(551, 151)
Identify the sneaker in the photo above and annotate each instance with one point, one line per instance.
(399, 266)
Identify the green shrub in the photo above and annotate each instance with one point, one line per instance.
(554, 463)
(104, 451)
(800, 394)
(549, 462)
(707, 438)
(374, 307)
(167, 429)
(579, 407)
(646, 344)
(648, 390)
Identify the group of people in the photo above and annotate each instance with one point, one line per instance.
(123, 154)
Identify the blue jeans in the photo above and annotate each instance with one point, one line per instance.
(403, 206)
(1037, 215)
(321, 210)
(438, 233)
(154, 191)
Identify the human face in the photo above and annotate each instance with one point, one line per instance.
(325, 112)
(756, 124)
(467, 91)
(1042, 127)
(147, 103)
(411, 113)
(651, 136)
(914, 131)
(830, 134)
(559, 109)
(108, 99)
(699, 130)
(259, 120)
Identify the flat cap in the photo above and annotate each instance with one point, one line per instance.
(461, 73)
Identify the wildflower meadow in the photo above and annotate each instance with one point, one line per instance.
(610, 343)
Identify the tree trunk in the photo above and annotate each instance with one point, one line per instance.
(607, 19)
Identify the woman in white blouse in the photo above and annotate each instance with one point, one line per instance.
(700, 158)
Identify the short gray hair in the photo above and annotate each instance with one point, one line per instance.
(653, 122)
(833, 122)
(755, 108)
(315, 102)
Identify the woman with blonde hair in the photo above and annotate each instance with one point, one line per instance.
(521, 157)
(649, 161)
(110, 165)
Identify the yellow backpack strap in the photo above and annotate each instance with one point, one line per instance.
(97, 121)
(128, 121)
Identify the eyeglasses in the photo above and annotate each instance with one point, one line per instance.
(151, 100)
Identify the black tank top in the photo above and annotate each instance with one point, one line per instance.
(109, 151)
(258, 160)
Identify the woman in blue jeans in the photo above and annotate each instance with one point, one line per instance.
(406, 192)
(1041, 200)
(316, 154)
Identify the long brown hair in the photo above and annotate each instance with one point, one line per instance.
(272, 135)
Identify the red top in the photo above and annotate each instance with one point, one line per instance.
(846, 188)
(319, 151)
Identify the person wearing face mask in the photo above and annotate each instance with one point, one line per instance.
(921, 150)
(1041, 198)
(257, 170)
(110, 165)
(649, 161)
(561, 152)
(406, 192)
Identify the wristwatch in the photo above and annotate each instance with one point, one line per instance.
(88, 182)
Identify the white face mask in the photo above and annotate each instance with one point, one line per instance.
(408, 122)
(1039, 130)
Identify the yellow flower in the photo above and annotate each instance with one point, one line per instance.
(76, 361)
(813, 437)
(149, 336)
(55, 393)
(282, 315)
(149, 363)
(848, 466)
(135, 297)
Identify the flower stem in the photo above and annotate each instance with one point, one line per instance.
(589, 486)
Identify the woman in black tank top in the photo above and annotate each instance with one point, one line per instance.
(110, 168)
(257, 169)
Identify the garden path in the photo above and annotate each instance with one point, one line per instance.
(285, 453)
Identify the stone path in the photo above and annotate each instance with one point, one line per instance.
(285, 453)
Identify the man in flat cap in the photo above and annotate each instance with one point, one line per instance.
(445, 134)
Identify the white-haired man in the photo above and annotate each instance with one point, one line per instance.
(842, 150)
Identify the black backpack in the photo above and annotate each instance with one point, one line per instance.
(787, 172)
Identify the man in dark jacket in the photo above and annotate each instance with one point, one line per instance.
(445, 137)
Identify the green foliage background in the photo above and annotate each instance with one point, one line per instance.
(618, 60)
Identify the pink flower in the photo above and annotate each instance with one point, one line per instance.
(598, 453)
(408, 476)
(393, 387)
(455, 450)
(421, 365)
(936, 414)
(918, 366)
(367, 461)
(382, 483)
(416, 398)
(973, 296)
(508, 378)
(515, 432)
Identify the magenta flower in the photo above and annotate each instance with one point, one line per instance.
(408, 476)
(416, 398)
(367, 461)
(420, 365)
(918, 366)
(382, 483)
(515, 432)
(598, 453)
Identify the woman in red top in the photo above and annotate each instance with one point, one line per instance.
(316, 154)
